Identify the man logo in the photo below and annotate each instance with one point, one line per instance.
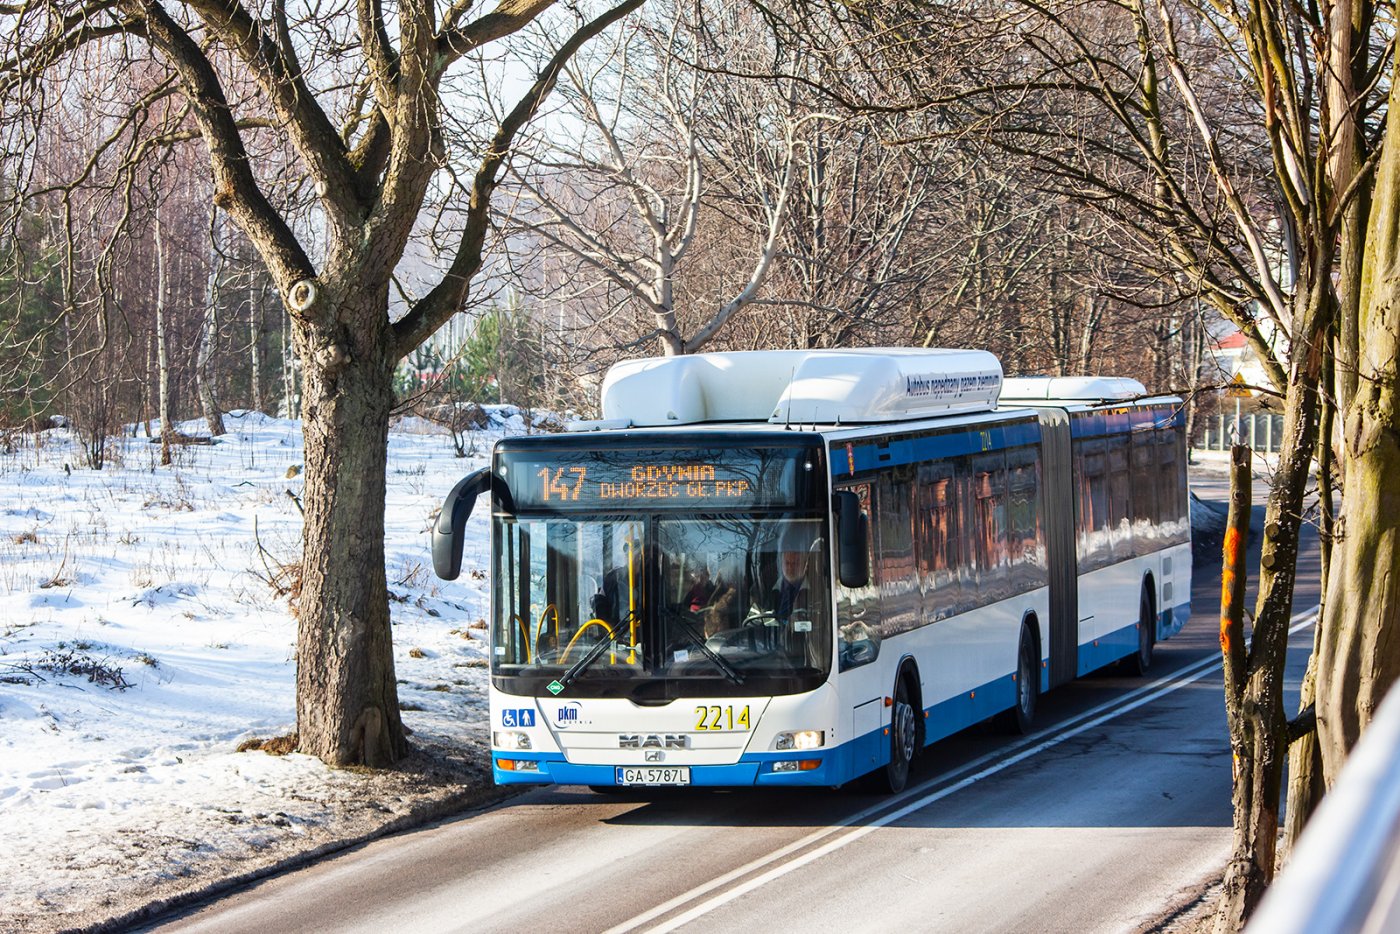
(654, 755)
(653, 740)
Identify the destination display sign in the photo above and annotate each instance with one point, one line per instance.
(690, 479)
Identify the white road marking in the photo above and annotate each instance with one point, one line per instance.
(979, 769)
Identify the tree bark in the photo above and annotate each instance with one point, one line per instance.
(1254, 691)
(1359, 655)
(347, 701)
(1306, 784)
(1245, 873)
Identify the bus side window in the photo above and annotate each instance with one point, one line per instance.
(938, 540)
(1171, 490)
(1147, 515)
(899, 592)
(858, 608)
(1120, 504)
(1023, 518)
(989, 530)
(1095, 549)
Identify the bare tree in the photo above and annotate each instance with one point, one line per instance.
(625, 197)
(358, 94)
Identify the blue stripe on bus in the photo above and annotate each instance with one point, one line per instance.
(1119, 422)
(1107, 649)
(958, 713)
(1123, 642)
(870, 455)
(861, 754)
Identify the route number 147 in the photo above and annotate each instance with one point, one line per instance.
(555, 484)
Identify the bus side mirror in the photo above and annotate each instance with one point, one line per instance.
(852, 532)
(451, 523)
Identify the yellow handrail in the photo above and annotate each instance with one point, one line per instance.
(550, 608)
(631, 600)
(524, 633)
(581, 630)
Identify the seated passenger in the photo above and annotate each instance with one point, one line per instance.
(701, 592)
(792, 593)
(719, 616)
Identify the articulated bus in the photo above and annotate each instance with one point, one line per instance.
(802, 567)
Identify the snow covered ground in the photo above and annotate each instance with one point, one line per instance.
(141, 642)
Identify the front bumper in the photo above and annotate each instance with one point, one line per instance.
(749, 771)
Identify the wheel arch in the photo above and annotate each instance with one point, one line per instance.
(1030, 620)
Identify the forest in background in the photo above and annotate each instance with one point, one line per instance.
(670, 197)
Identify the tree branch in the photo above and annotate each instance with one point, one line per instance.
(447, 296)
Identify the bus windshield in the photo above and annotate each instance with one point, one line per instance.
(661, 606)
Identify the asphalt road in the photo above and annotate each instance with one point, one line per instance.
(1116, 804)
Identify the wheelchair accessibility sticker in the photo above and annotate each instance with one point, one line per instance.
(521, 716)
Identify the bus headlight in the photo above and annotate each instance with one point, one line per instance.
(801, 739)
(510, 739)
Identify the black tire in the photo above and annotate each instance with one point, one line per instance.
(1141, 660)
(1021, 718)
(904, 740)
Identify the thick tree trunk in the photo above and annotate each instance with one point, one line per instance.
(1306, 784)
(1360, 650)
(347, 701)
(1359, 656)
(1254, 695)
(1255, 802)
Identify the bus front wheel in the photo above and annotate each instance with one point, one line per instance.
(904, 734)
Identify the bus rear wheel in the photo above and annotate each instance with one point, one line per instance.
(1021, 718)
(1141, 661)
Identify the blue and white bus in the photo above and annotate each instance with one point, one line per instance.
(802, 567)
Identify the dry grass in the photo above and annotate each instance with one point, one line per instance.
(273, 746)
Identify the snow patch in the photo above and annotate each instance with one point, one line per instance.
(140, 643)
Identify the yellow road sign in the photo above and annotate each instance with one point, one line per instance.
(1237, 388)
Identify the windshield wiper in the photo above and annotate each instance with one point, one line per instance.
(594, 653)
(725, 668)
